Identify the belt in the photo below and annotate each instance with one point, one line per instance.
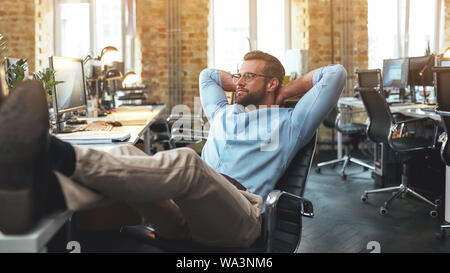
(236, 183)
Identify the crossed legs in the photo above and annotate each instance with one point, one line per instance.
(174, 190)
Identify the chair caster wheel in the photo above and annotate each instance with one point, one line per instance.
(364, 198)
(383, 211)
(433, 213)
(343, 176)
(365, 169)
(317, 170)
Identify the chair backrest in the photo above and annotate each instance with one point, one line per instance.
(295, 177)
(442, 89)
(330, 119)
(369, 78)
(379, 114)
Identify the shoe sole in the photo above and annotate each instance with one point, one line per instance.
(23, 128)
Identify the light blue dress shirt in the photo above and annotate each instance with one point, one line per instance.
(255, 147)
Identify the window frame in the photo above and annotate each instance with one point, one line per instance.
(92, 29)
(253, 28)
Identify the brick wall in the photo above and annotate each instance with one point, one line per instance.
(17, 24)
(312, 31)
(152, 36)
(44, 33)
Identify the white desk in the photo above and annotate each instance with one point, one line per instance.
(37, 238)
(136, 121)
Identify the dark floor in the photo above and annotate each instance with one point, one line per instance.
(342, 223)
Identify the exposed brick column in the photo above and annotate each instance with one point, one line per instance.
(17, 24)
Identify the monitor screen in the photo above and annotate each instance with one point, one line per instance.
(71, 94)
(395, 73)
(420, 73)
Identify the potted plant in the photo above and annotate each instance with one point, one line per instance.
(47, 78)
(16, 73)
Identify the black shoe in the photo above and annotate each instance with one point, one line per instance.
(24, 125)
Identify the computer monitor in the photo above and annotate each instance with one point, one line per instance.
(71, 94)
(395, 73)
(420, 73)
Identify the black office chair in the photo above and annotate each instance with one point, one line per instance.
(282, 219)
(382, 129)
(442, 89)
(352, 133)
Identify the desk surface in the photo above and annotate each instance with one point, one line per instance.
(135, 120)
(412, 110)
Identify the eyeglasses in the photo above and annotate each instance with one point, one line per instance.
(248, 76)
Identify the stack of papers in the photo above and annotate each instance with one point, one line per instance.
(94, 137)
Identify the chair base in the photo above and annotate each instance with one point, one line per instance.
(397, 192)
(346, 159)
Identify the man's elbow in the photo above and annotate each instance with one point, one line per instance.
(340, 76)
(340, 71)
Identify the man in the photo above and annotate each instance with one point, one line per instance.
(182, 195)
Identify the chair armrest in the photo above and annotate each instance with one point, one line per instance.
(282, 220)
(402, 123)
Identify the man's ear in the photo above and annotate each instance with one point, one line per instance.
(272, 85)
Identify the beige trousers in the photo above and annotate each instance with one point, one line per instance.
(213, 211)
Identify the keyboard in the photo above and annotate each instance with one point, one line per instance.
(98, 126)
(428, 109)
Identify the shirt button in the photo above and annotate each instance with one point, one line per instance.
(221, 164)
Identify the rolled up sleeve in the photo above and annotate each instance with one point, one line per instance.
(328, 83)
(212, 96)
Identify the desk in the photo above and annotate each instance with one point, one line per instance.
(412, 110)
(37, 238)
(137, 122)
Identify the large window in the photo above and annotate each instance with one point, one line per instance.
(243, 25)
(87, 26)
(403, 28)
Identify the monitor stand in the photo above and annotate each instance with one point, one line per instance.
(413, 93)
(402, 95)
(66, 123)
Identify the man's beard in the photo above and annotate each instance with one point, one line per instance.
(253, 98)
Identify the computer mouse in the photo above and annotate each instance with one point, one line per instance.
(115, 123)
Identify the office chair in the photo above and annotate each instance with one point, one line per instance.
(353, 134)
(282, 219)
(441, 88)
(382, 129)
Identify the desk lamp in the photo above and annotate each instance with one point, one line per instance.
(444, 58)
(129, 79)
(107, 55)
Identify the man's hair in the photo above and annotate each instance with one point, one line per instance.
(272, 67)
